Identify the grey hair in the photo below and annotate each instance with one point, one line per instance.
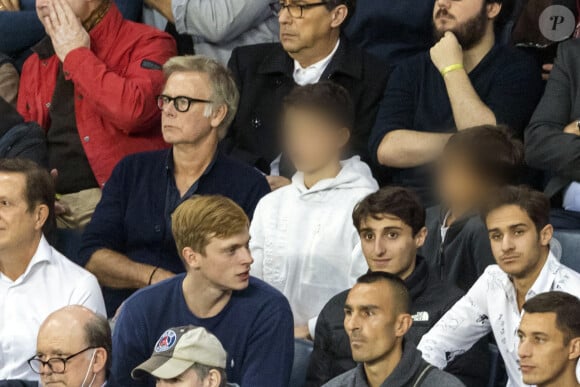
(203, 371)
(98, 335)
(224, 89)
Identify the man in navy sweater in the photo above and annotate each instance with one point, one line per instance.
(465, 80)
(128, 244)
(252, 320)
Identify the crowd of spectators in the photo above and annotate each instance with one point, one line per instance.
(191, 190)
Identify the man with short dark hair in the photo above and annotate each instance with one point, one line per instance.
(186, 357)
(474, 162)
(465, 80)
(517, 220)
(35, 279)
(91, 85)
(311, 49)
(377, 316)
(73, 348)
(391, 227)
(550, 340)
(252, 320)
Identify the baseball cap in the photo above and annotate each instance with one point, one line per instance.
(180, 348)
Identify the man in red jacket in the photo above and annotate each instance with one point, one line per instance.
(91, 85)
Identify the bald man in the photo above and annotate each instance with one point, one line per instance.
(73, 348)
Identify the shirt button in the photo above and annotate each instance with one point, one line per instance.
(86, 138)
(48, 105)
(157, 228)
(256, 122)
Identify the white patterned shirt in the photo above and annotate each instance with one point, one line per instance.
(491, 306)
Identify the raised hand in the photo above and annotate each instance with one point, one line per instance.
(65, 29)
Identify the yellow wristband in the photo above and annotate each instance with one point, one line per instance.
(453, 67)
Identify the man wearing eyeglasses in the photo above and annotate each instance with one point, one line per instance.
(73, 349)
(128, 244)
(311, 48)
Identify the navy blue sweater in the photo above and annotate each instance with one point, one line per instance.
(507, 80)
(134, 215)
(256, 329)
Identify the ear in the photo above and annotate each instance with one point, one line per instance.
(100, 361)
(191, 258)
(493, 10)
(420, 237)
(574, 349)
(218, 115)
(546, 235)
(41, 213)
(214, 379)
(338, 15)
(344, 137)
(404, 322)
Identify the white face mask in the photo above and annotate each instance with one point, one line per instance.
(89, 370)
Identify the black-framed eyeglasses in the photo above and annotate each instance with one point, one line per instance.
(295, 10)
(57, 365)
(181, 103)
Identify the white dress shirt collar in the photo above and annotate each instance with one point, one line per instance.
(313, 73)
(43, 254)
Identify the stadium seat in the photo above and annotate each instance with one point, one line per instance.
(302, 352)
(570, 247)
(497, 374)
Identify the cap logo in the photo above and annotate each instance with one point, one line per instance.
(166, 341)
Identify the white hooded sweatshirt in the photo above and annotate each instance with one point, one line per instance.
(303, 240)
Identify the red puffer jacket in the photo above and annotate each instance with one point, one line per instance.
(116, 82)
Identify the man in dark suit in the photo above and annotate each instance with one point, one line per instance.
(311, 48)
(552, 139)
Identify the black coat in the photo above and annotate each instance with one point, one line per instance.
(19, 139)
(431, 299)
(264, 74)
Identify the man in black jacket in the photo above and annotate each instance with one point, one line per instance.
(311, 49)
(391, 224)
(474, 162)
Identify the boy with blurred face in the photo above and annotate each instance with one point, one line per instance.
(376, 320)
(517, 220)
(550, 340)
(391, 227)
(302, 240)
(252, 320)
(474, 162)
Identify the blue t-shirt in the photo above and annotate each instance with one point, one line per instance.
(256, 329)
(507, 80)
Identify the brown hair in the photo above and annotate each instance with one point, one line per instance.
(534, 203)
(398, 201)
(564, 305)
(197, 220)
(39, 186)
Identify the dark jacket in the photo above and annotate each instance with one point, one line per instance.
(264, 74)
(431, 298)
(464, 254)
(547, 146)
(408, 373)
(19, 139)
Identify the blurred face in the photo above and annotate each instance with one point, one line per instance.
(374, 328)
(389, 245)
(20, 226)
(198, 123)
(312, 140)
(307, 33)
(187, 379)
(518, 248)
(544, 355)
(226, 262)
(467, 19)
(79, 7)
(459, 185)
(56, 340)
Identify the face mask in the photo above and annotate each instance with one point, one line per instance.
(89, 370)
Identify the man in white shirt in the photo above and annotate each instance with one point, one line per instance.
(73, 348)
(517, 219)
(35, 279)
